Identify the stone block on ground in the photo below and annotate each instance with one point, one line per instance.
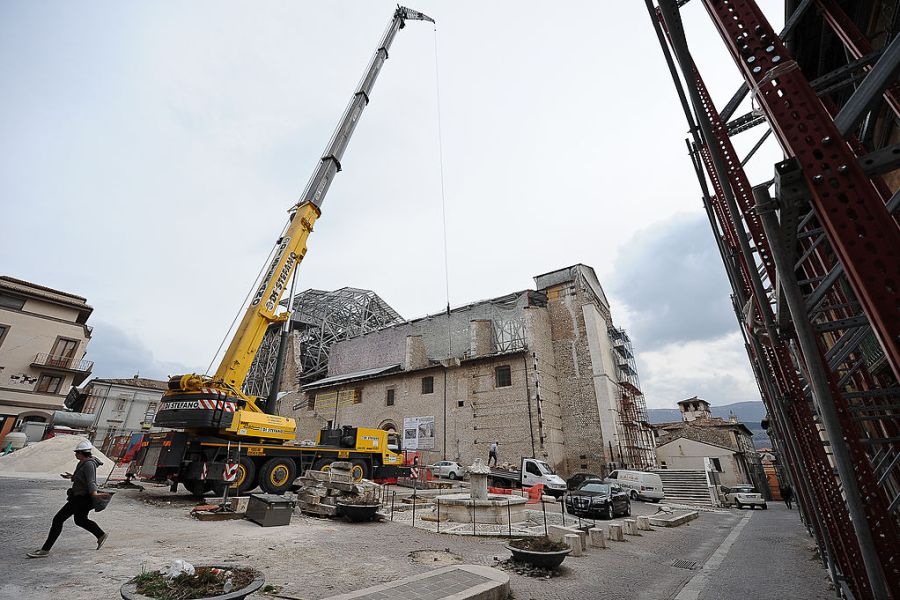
(615, 532)
(643, 523)
(631, 527)
(573, 541)
(238, 504)
(597, 537)
(556, 533)
(673, 520)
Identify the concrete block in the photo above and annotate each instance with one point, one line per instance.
(631, 527)
(615, 532)
(557, 533)
(573, 541)
(644, 523)
(673, 520)
(597, 537)
(238, 504)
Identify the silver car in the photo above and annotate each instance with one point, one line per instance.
(448, 469)
(740, 496)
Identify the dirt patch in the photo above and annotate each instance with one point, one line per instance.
(538, 544)
(204, 583)
(435, 558)
(527, 570)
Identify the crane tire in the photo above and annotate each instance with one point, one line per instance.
(359, 470)
(246, 479)
(322, 463)
(277, 475)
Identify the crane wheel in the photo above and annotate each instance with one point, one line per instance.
(323, 464)
(197, 488)
(359, 470)
(243, 483)
(277, 475)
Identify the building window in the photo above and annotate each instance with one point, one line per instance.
(717, 464)
(428, 385)
(357, 396)
(49, 384)
(311, 402)
(503, 376)
(151, 412)
(120, 405)
(14, 302)
(389, 397)
(460, 403)
(4, 329)
(63, 352)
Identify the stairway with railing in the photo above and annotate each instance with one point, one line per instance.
(686, 487)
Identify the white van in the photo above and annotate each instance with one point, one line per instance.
(638, 484)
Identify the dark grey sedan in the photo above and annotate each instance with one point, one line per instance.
(596, 499)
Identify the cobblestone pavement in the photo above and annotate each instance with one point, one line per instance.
(312, 558)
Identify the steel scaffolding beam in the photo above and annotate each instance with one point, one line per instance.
(815, 274)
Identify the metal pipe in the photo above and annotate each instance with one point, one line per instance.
(821, 393)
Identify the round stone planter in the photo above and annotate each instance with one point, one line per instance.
(358, 513)
(546, 560)
(129, 592)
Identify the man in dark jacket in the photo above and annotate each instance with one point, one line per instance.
(80, 502)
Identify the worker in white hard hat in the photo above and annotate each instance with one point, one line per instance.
(80, 502)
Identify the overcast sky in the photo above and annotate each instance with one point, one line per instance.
(150, 152)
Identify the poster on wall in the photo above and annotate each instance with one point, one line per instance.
(418, 433)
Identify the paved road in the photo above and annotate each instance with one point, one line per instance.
(771, 557)
(314, 558)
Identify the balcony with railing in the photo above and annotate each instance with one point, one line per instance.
(54, 362)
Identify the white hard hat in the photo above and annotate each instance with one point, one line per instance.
(84, 446)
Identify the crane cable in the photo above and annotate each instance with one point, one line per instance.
(437, 93)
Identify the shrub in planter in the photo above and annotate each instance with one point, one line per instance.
(206, 583)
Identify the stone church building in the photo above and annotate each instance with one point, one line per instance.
(543, 372)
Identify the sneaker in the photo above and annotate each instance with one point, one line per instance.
(38, 554)
(101, 539)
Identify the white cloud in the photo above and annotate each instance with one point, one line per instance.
(716, 370)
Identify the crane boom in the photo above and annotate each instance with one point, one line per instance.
(200, 402)
(291, 246)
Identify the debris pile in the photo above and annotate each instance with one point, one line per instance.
(49, 458)
(321, 491)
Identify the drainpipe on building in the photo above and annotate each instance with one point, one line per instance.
(528, 402)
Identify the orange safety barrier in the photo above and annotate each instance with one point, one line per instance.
(535, 492)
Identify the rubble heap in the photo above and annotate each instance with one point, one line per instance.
(321, 491)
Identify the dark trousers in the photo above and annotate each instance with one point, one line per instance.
(492, 456)
(79, 506)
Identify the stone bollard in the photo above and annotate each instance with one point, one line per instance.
(557, 533)
(631, 527)
(644, 523)
(615, 533)
(573, 541)
(598, 539)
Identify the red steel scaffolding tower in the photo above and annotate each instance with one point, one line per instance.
(813, 255)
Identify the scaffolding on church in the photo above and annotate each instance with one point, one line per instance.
(320, 319)
(636, 443)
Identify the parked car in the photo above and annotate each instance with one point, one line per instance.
(639, 484)
(448, 469)
(575, 481)
(740, 496)
(595, 498)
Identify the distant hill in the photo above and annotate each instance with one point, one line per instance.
(748, 413)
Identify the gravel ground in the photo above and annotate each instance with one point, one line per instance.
(313, 558)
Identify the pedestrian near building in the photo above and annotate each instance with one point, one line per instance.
(81, 500)
(787, 494)
(492, 454)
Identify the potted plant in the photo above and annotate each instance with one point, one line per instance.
(539, 551)
(199, 583)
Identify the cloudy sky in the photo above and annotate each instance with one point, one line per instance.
(150, 152)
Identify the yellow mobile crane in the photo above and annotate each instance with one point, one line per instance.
(214, 412)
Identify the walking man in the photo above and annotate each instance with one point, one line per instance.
(787, 494)
(492, 454)
(80, 502)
